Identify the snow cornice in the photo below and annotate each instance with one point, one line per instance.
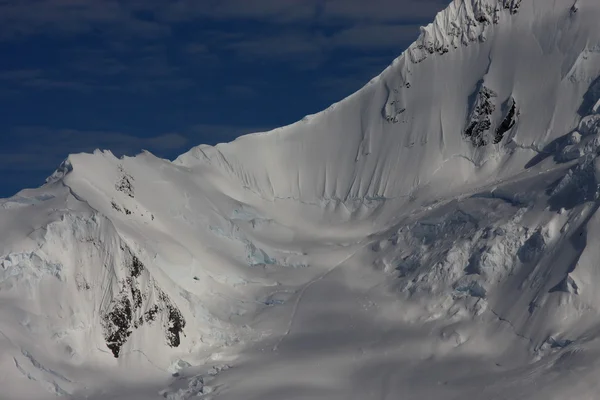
(462, 22)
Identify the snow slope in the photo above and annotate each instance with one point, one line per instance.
(431, 236)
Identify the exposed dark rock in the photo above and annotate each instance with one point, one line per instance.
(395, 106)
(125, 184)
(398, 110)
(567, 285)
(484, 13)
(513, 6)
(175, 321)
(84, 286)
(136, 294)
(150, 315)
(476, 131)
(559, 343)
(118, 323)
(509, 121)
(116, 206)
(125, 312)
(496, 15)
(480, 120)
(590, 98)
(532, 307)
(461, 27)
(136, 267)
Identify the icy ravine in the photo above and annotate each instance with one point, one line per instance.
(431, 236)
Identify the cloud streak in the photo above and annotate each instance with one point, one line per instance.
(68, 17)
(138, 44)
(153, 19)
(303, 11)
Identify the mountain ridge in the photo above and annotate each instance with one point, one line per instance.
(360, 142)
(449, 204)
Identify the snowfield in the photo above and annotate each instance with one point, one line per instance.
(432, 236)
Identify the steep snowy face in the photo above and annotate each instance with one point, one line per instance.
(465, 174)
(485, 87)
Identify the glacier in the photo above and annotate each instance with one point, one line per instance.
(434, 235)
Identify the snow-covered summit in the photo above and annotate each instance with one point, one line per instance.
(443, 215)
(463, 22)
(406, 121)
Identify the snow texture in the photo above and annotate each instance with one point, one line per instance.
(432, 236)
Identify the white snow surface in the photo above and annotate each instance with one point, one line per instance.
(432, 236)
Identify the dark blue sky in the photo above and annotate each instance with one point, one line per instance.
(166, 75)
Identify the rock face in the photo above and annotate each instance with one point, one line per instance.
(591, 99)
(464, 22)
(124, 183)
(140, 301)
(480, 120)
(509, 120)
(483, 125)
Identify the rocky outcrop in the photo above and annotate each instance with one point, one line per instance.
(508, 122)
(486, 124)
(140, 301)
(463, 22)
(480, 119)
(125, 183)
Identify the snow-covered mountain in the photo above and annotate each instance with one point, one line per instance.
(434, 235)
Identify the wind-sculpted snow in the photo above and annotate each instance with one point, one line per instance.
(26, 267)
(463, 22)
(410, 118)
(432, 236)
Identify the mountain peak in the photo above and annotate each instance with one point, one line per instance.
(462, 22)
(445, 212)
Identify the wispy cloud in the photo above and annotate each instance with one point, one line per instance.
(301, 11)
(138, 45)
(239, 91)
(153, 19)
(374, 36)
(20, 74)
(381, 10)
(67, 17)
(285, 46)
(280, 11)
